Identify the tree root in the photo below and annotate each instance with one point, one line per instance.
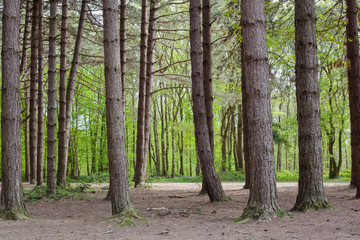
(127, 217)
(313, 205)
(257, 214)
(15, 214)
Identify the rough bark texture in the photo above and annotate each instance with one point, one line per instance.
(119, 190)
(311, 192)
(25, 37)
(33, 91)
(51, 110)
(212, 182)
(62, 92)
(123, 47)
(263, 200)
(24, 58)
(140, 170)
(40, 129)
(62, 162)
(207, 69)
(11, 192)
(140, 140)
(352, 45)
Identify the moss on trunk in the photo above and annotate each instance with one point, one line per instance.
(15, 214)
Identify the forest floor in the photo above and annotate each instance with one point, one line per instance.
(176, 211)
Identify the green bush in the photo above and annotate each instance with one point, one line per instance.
(287, 175)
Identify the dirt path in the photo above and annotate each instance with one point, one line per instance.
(176, 211)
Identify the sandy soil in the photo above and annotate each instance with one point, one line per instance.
(176, 211)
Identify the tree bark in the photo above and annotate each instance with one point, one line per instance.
(311, 191)
(62, 162)
(33, 91)
(240, 140)
(51, 110)
(26, 95)
(119, 189)
(263, 200)
(11, 192)
(352, 45)
(140, 139)
(245, 123)
(40, 129)
(62, 94)
(212, 182)
(140, 171)
(123, 47)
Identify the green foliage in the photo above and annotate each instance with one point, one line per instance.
(92, 178)
(282, 213)
(344, 176)
(40, 193)
(287, 175)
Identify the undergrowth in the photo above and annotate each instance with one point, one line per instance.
(233, 176)
(40, 193)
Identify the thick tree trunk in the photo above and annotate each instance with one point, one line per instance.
(33, 91)
(311, 192)
(212, 182)
(40, 136)
(263, 200)
(62, 162)
(62, 94)
(352, 45)
(119, 189)
(51, 110)
(11, 191)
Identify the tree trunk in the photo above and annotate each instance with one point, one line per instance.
(93, 138)
(26, 95)
(119, 189)
(140, 174)
(224, 131)
(279, 144)
(352, 45)
(240, 158)
(62, 150)
(245, 125)
(123, 48)
(212, 182)
(25, 37)
(163, 146)
(263, 200)
(40, 136)
(33, 91)
(51, 110)
(311, 192)
(11, 191)
(156, 143)
(62, 162)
